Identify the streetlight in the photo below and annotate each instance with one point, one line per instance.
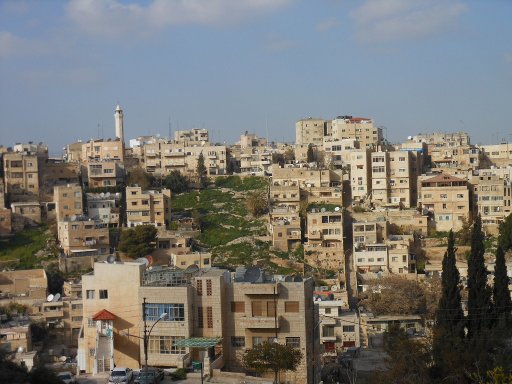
(147, 334)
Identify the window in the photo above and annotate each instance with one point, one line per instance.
(328, 332)
(237, 306)
(257, 308)
(208, 287)
(89, 293)
(103, 294)
(257, 340)
(91, 323)
(209, 317)
(291, 306)
(200, 317)
(199, 287)
(327, 311)
(271, 308)
(76, 318)
(175, 312)
(348, 328)
(293, 342)
(165, 345)
(237, 341)
(92, 352)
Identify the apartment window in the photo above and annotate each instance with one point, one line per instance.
(237, 341)
(404, 258)
(103, 294)
(327, 311)
(291, 306)
(394, 258)
(91, 323)
(209, 317)
(76, 318)
(348, 328)
(89, 293)
(257, 308)
(444, 196)
(199, 287)
(237, 306)
(257, 340)
(371, 259)
(175, 312)
(165, 345)
(460, 196)
(208, 287)
(293, 342)
(200, 319)
(92, 352)
(360, 260)
(328, 332)
(380, 259)
(271, 308)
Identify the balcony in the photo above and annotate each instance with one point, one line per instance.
(259, 288)
(259, 322)
(315, 235)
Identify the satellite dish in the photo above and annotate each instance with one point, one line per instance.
(73, 217)
(191, 269)
(337, 209)
(111, 259)
(322, 210)
(20, 349)
(56, 297)
(142, 260)
(252, 275)
(49, 298)
(63, 359)
(297, 279)
(334, 288)
(102, 194)
(289, 279)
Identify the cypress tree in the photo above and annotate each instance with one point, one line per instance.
(202, 171)
(310, 154)
(449, 328)
(501, 295)
(479, 295)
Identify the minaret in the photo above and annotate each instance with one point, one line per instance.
(118, 116)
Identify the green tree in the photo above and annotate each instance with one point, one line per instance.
(449, 327)
(273, 357)
(139, 241)
(502, 305)
(505, 236)
(310, 155)
(202, 172)
(479, 295)
(176, 182)
(256, 202)
(140, 177)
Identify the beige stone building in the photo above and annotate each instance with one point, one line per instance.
(360, 175)
(306, 177)
(81, 236)
(337, 153)
(437, 139)
(24, 285)
(186, 259)
(285, 194)
(68, 201)
(284, 227)
(324, 246)
(499, 155)
(358, 128)
(111, 312)
(12, 339)
(98, 150)
(492, 197)
(255, 160)
(194, 136)
(104, 173)
(311, 131)
(54, 172)
(21, 175)
(461, 156)
(25, 214)
(447, 198)
(104, 207)
(72, 311)
(148, 207)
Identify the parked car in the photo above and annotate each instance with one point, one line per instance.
(66, 377)
(155, 374)
(120, 375)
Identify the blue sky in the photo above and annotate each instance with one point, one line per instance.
(235, 65)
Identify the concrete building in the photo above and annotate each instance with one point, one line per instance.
(13, 339)
(306, 177)
(437, 139)
(21, 286)
(98, 150)
(462, 156)
(284, 227)
(492, 195)
(311, 131)
(72, 311)
(337, 153)
(255, 160)
(499, 155)
(447, 198)
(104, 207)
(81, 236)
(184, 260)
(358, 128)
(25, 214)
(68, 201)
(148, 207)
(53, 173)
(285, 194)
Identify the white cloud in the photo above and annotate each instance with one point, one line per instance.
(325, 25)
(12, 45)
(111, 18)
(386, 20)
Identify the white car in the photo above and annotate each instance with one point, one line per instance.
(120, 375)
(66, 377)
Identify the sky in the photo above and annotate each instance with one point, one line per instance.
(230, 66)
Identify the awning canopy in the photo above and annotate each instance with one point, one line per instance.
(197, 342)
(104, 315)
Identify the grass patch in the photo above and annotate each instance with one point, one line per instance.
(240, 184)
(22, 247)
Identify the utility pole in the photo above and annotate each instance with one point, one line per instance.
(145, 337)
(275, 327)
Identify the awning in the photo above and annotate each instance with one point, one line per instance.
(104, 315)
(197, 342)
